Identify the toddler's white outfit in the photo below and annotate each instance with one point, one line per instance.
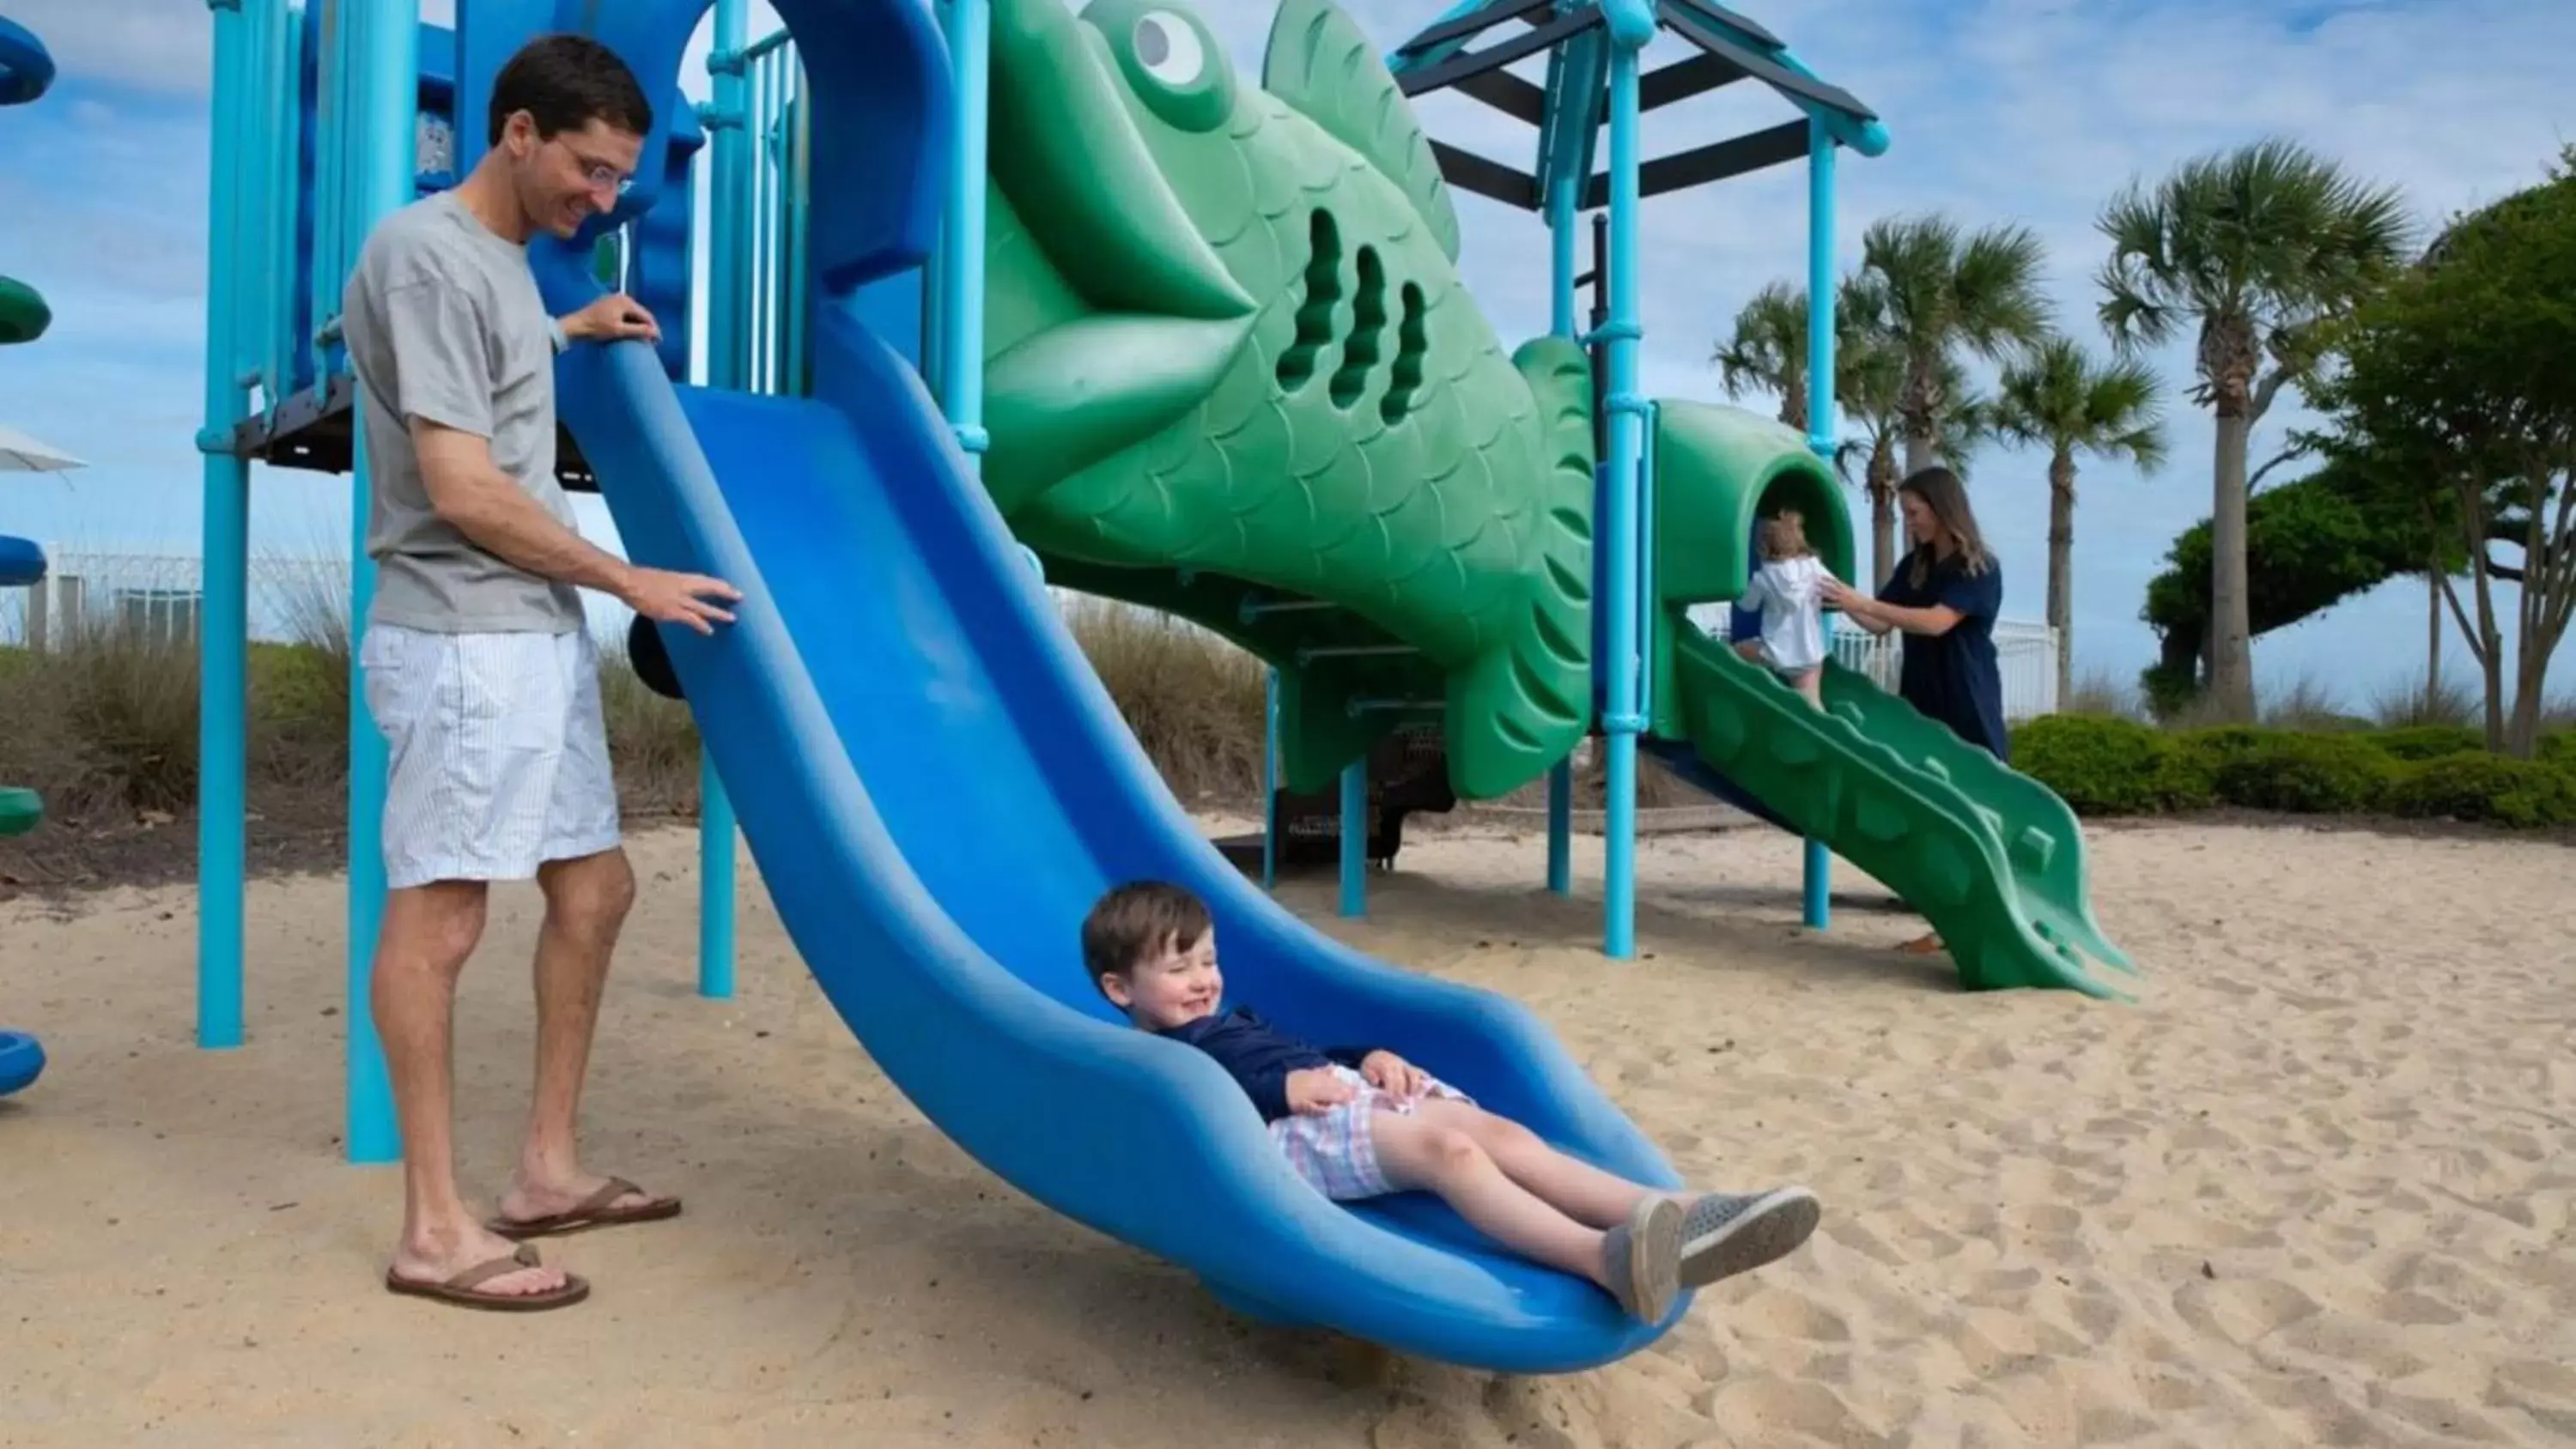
(1789, 594)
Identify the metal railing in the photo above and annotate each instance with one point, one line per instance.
(774, 82)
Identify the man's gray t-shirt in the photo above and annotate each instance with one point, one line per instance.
(443, 323)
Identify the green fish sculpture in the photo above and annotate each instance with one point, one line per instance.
(1233, 374)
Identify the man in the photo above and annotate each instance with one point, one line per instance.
(478, 668)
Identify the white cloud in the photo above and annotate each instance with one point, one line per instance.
(155, 45)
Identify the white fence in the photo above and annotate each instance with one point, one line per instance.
(2025, 653)
(306, 598)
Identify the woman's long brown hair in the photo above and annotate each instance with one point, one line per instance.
(1943, 493)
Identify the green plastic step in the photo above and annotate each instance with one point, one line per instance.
(1992, 858)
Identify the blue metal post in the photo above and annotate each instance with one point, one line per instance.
(1270, 780)
(1355, 837)
(726, 301)
(1631, 27)
(223, 637)
(1819, 864)
(1561, 221)
(381, 44)
(961, 269)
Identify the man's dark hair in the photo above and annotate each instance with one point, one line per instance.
(564, 82)
(1137, 920)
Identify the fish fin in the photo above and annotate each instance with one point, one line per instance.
(1525, 703)
(1320, 63)
(1076, 393)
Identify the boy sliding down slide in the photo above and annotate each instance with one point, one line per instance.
(1357, 1123)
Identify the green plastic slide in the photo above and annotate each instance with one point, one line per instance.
(1992, 858)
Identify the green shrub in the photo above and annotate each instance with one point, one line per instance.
(2429, 741)
(2108, 766)
(2308, 774)
(2486, 787)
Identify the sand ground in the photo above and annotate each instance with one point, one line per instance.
(2315, 1189)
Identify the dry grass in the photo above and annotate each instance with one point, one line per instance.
(2101, 694)
(1193, 699)
(106, 723)
(2449, 703)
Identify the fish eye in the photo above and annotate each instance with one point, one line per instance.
(1168, 49)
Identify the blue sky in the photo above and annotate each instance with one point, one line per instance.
(2002, 110)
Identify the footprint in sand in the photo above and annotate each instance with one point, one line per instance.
(1780, 1313)
(2544, 1390)
(1783, 1411)
(2242, 1310)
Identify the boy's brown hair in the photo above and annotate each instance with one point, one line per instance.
(1784, 536)
(1137, 920)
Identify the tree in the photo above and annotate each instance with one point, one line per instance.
(2255, 248)
(2315, 541)
(2061, 399)
(1939, 291)
(1767, 352)
(2456, 380)
(1869, 386)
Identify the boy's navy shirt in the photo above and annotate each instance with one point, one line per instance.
(1260, 1056)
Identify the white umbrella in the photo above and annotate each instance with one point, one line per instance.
(22, 454)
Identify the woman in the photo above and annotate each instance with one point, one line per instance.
(1943, 597)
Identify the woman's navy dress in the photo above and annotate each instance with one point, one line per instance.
(1953, 677)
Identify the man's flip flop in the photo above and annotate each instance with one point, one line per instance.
(462, 1289)
(591, 1212)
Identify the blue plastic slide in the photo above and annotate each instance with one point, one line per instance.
(937, 788)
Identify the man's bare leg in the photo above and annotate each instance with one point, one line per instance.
(427, 934)
(586, 905)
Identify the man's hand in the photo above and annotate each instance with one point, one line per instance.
(1317, 1089)
(1393, 1075)
(671, 598)
(613, 318)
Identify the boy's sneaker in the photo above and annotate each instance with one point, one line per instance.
(1641, 1258)
(1726, 1233)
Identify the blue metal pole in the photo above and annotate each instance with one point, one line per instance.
(1631, 27)
(1355, 837)
(223, 635)
(382, 45)
(1561, 223)
(727, 297)
(961, 272)
(1819, 863)
(1270, 780)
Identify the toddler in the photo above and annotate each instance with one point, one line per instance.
(1788, 591)
(1358, 1122)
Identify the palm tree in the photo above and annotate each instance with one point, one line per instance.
(1941, 291)
(1870, 389)
(2061, 399)
(2254, 248)
(1768, 351)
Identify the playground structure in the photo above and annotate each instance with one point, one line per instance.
(899, 715)
(26, 73)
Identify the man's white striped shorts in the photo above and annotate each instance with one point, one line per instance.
(499, 752)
